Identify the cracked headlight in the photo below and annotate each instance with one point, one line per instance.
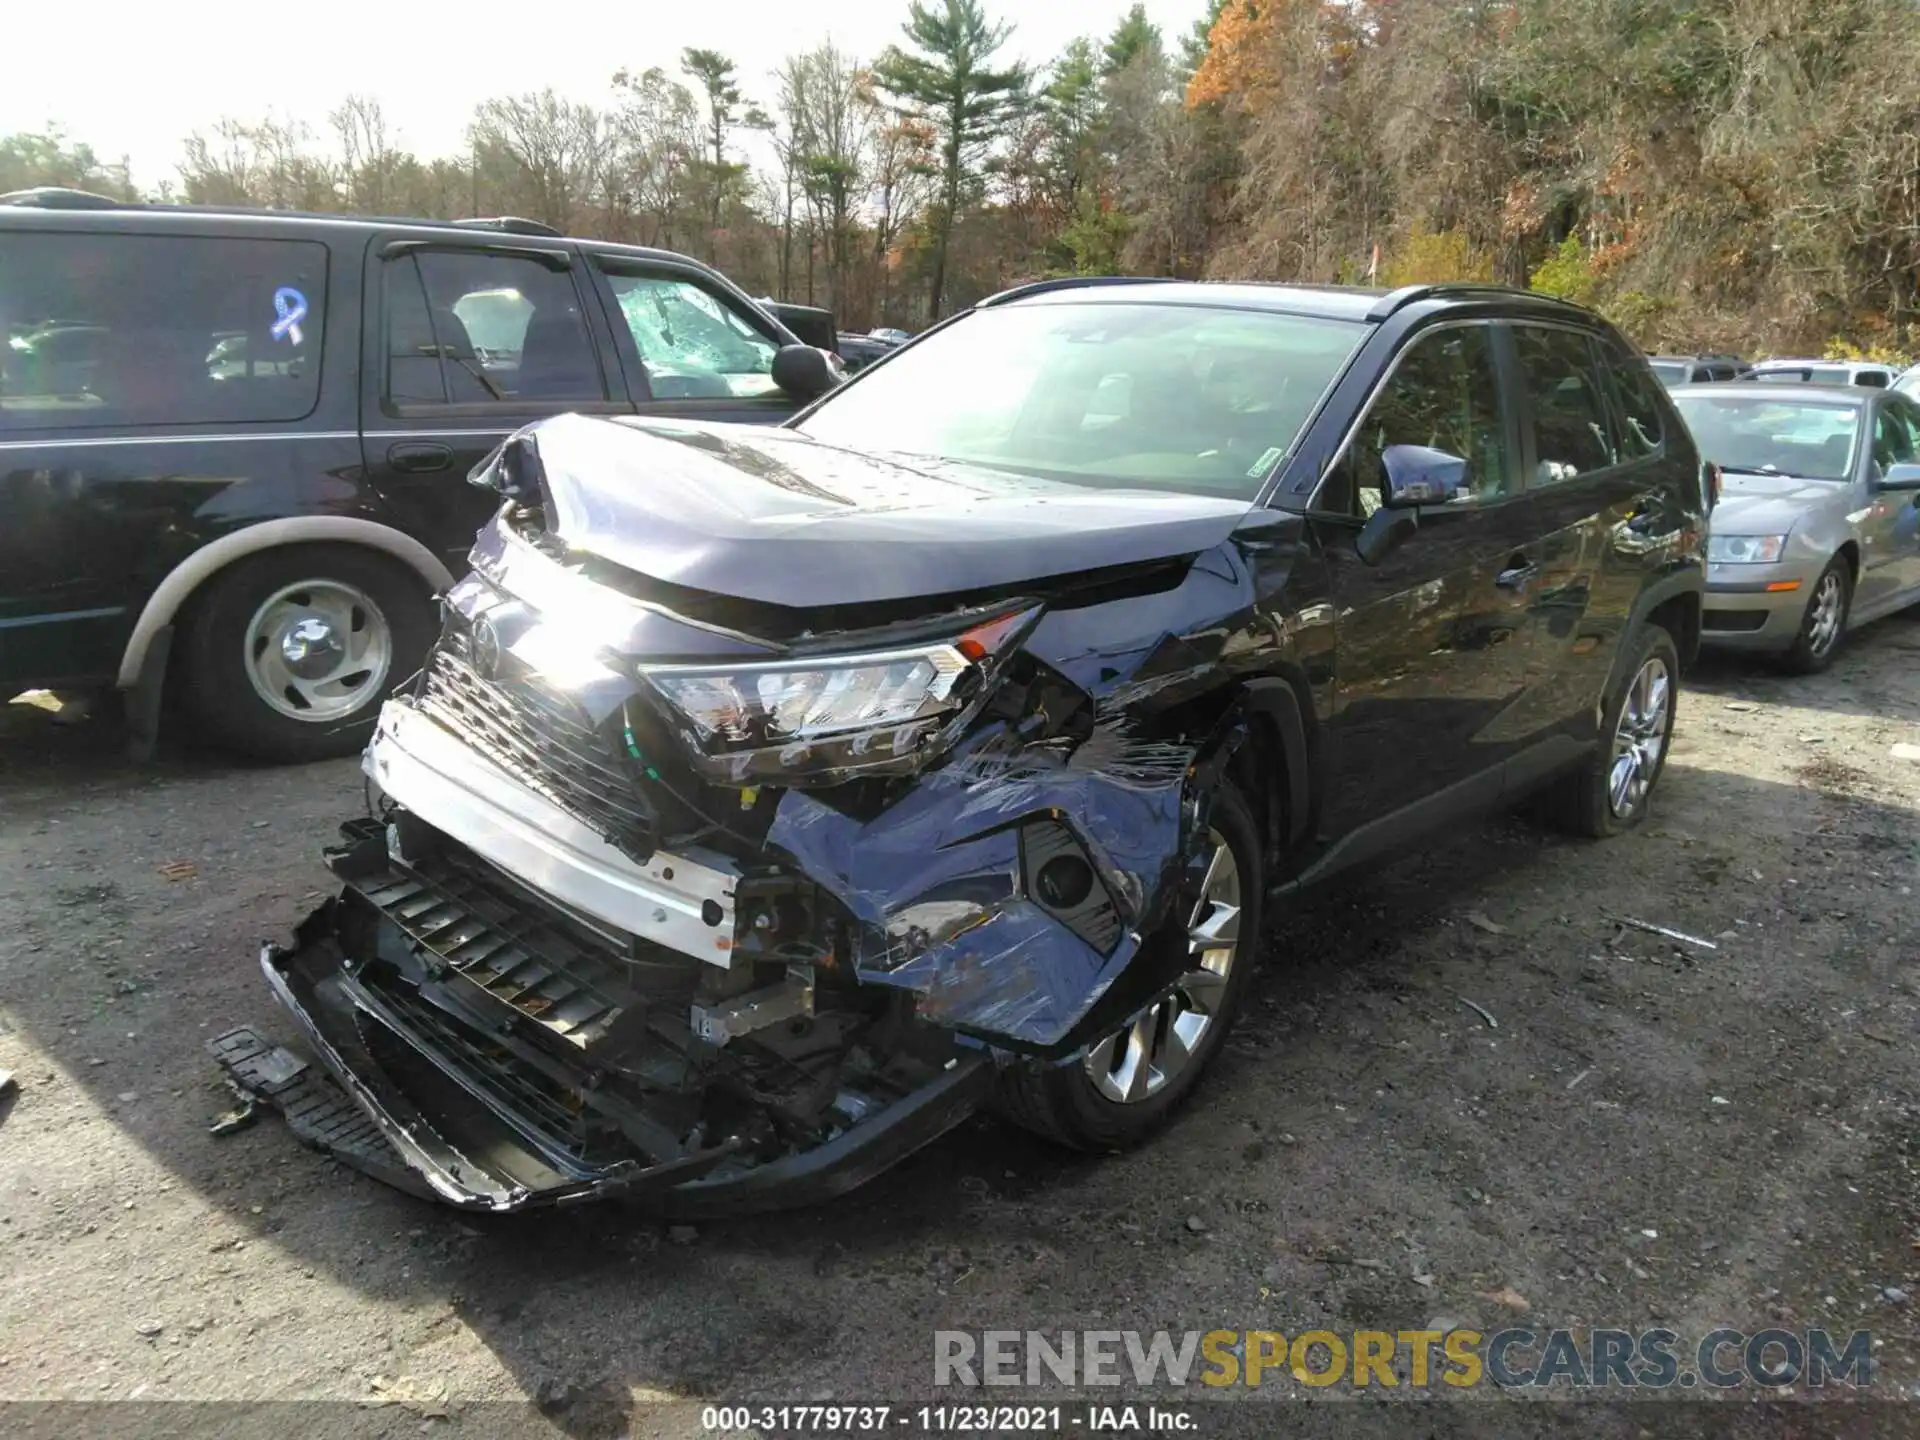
(1745, 549)
(824, 718)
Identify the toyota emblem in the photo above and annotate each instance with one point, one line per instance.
(486, 649)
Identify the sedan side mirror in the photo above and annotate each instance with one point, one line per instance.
(1903, 476)
(1412, 475)
(804, 372)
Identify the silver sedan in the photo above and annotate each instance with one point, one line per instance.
(1816, 531)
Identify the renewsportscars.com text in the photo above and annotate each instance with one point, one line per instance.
(1514, 1357)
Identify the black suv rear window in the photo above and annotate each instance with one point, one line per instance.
(102, 331)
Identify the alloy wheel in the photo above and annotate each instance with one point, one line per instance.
(1143, 1057)
(1825, 614)
(1640, 737)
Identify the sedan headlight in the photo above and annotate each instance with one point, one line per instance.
(1745, 549)
(824, 718)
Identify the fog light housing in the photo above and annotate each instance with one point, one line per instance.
(1061, 879)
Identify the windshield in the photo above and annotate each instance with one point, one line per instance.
(1110, 394)
(1814, 441)
(1806, 375)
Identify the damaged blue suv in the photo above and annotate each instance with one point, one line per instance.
(774, 798)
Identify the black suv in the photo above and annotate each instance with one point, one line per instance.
(234, 445)
(772, 798)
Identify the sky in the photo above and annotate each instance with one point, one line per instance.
(155, 73)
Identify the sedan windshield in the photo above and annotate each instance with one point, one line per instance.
(1808, 439)
(1110, 394)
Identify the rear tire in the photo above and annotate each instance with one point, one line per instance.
(1633, 748)
(1823, 624)
(287, 655)
(1069, 1105)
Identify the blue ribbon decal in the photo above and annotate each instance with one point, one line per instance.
(291, 306)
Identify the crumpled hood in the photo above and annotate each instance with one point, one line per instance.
(1772, 504)
(771, 516)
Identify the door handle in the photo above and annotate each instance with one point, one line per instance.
(419, 459)
(1518, 572)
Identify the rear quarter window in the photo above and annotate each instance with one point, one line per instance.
(102, 331)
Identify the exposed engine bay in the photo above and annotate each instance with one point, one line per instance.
(705, 869)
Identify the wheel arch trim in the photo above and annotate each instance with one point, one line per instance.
(203, 564)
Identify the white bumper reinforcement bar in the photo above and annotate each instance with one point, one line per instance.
(675, 901)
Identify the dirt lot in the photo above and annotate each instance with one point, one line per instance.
(1653, 1132)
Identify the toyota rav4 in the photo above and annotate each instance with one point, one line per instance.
(774, 797)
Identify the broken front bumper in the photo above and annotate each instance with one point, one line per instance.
(447, 1090)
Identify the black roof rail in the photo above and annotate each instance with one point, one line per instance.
(61, 197)
(1395, 300)
(1065, 282)
(506, 224)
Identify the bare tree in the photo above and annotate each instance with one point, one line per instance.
(545, 156)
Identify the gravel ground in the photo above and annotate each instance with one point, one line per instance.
(1653, 1133)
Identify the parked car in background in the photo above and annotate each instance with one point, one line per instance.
(774, 798)
(1673, 370)
(234, 445)
(860, 351)
(1908, 382)
(1866, 373)
(1816, 530)
(897, 337)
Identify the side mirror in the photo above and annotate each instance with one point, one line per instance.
(804, 372)
(1904, 476)
(1412, 475)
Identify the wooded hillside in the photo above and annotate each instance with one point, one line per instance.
(1711, 173)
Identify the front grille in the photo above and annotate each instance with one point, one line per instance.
(541, 739)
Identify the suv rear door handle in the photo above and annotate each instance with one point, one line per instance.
(419, 459)
(1518, 572)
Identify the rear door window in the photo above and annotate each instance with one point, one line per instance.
(1639, 429)
(109, 330)
(1572, 436)
(477, 327)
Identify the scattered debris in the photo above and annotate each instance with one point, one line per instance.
(1650, 928)
(1906, 752)
(1480, 1010)
(148, 1328)
(1425, 1281)
(177, 870)
(1480, 922)
(1575, 1081)
(1508, 1296)
(1721, 1100)
(236, 1119)
(553, 1394)
(1878, 1038)
(1894, 1295)
(1370, 1264)
(1651, 1234)
(1196, 1225)
(1744, 707)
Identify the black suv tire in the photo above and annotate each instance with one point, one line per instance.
(1581, 802)
(219, 655)
(1065, 1104)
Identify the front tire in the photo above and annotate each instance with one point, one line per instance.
(287, 655)
(1823, 625)
(1132, 1081)
(1611, 791)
